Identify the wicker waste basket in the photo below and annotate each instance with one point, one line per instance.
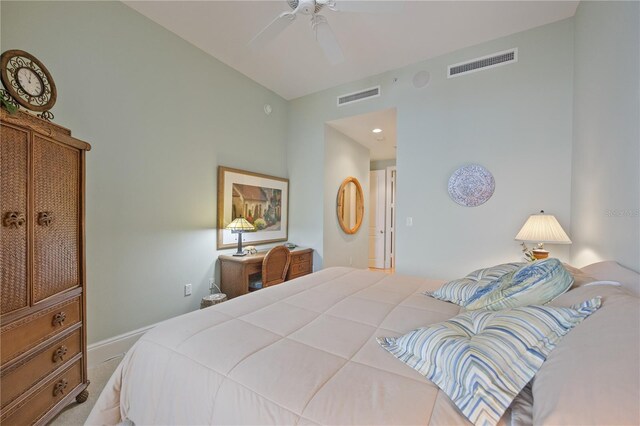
(212, 299)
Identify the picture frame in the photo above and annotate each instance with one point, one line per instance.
(262, 200)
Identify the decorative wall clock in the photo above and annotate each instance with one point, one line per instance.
(28, 81)
(471, 185)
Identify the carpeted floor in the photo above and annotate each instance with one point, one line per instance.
(76, 414)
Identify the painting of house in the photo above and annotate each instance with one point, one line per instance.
(260, 206)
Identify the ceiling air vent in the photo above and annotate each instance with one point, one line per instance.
(491, 61)
(350, 98)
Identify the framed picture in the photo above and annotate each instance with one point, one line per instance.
(262, 200)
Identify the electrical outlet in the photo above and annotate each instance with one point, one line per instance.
(187, 289)
(211, 287)
(409, 221)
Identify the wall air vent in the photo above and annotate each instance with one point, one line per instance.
(362, 95)
(479, 64)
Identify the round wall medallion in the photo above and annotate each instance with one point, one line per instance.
(471, 185)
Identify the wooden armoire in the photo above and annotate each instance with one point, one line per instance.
(43, 349)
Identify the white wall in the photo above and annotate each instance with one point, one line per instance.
(382, 164)
(344, 157)
(161, 115)
(605, 204)
(515, 120)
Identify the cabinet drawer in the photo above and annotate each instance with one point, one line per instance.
(300, 258)
(23, 334)
(298, 269)
(41, 401)
(254, 268)
(18, 379)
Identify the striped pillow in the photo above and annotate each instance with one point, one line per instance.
(459, 291)
(535, 283)
(483, 359)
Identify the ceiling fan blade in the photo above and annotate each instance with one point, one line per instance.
(327, 40)
(366, 6)
(272, 30)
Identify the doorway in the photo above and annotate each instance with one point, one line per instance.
(377, 132)
(382, 223)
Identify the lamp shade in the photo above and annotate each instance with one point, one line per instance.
(543, 228)
(240, 225)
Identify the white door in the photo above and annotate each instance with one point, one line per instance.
(390, 231)
(377, 191)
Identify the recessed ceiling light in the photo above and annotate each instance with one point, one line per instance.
(377, 130)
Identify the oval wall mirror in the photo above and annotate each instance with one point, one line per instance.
(350, 205)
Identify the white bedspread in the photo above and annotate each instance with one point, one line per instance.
(303, 352)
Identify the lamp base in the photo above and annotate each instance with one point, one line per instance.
(540, 254)
(239, 254)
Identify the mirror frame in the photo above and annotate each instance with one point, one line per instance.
(359, 205)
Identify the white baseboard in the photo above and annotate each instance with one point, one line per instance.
(104, 350)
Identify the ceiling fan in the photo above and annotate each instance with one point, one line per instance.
(323, 32)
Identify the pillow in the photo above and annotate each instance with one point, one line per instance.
(534, 284)
(483, 359)
(592, 377)
(459, 291)
(613, 271)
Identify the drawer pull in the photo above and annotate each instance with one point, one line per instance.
(58, 319)
(45, 218)
(60, 387)
(13, 219)
(59, 354)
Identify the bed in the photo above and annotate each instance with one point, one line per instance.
(305, 352)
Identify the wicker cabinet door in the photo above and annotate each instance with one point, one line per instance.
(13, 208)
(56, 181)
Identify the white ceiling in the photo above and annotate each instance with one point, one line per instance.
(382, 146)
(293, 65)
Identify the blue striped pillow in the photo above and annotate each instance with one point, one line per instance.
(461, 290)
(483, 359)
(535, 283)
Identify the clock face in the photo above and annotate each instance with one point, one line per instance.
(27, 80)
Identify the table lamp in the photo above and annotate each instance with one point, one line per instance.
(542, 228)
(238, 226)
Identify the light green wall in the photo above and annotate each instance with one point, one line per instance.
(516, 120)
(605, 201)
(161, 115)
(343, 158)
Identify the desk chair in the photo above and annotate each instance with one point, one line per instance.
(274, 268)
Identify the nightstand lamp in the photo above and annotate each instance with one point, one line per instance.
(542, 228)
(238, 226)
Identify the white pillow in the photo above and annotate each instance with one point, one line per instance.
(613, 271)
(592, 377)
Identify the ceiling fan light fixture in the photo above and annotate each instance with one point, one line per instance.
(306, 7)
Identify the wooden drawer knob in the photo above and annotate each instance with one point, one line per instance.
(45, 218)
(13, 219)
(58, 319)
(60, 387)
(59, 353)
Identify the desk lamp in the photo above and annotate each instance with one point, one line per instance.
(542, 228)
(238, 226)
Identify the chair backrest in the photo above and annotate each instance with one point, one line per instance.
(275, 266)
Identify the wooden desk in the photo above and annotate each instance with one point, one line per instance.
(235, 270)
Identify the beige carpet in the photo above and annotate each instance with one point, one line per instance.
(76, 414)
